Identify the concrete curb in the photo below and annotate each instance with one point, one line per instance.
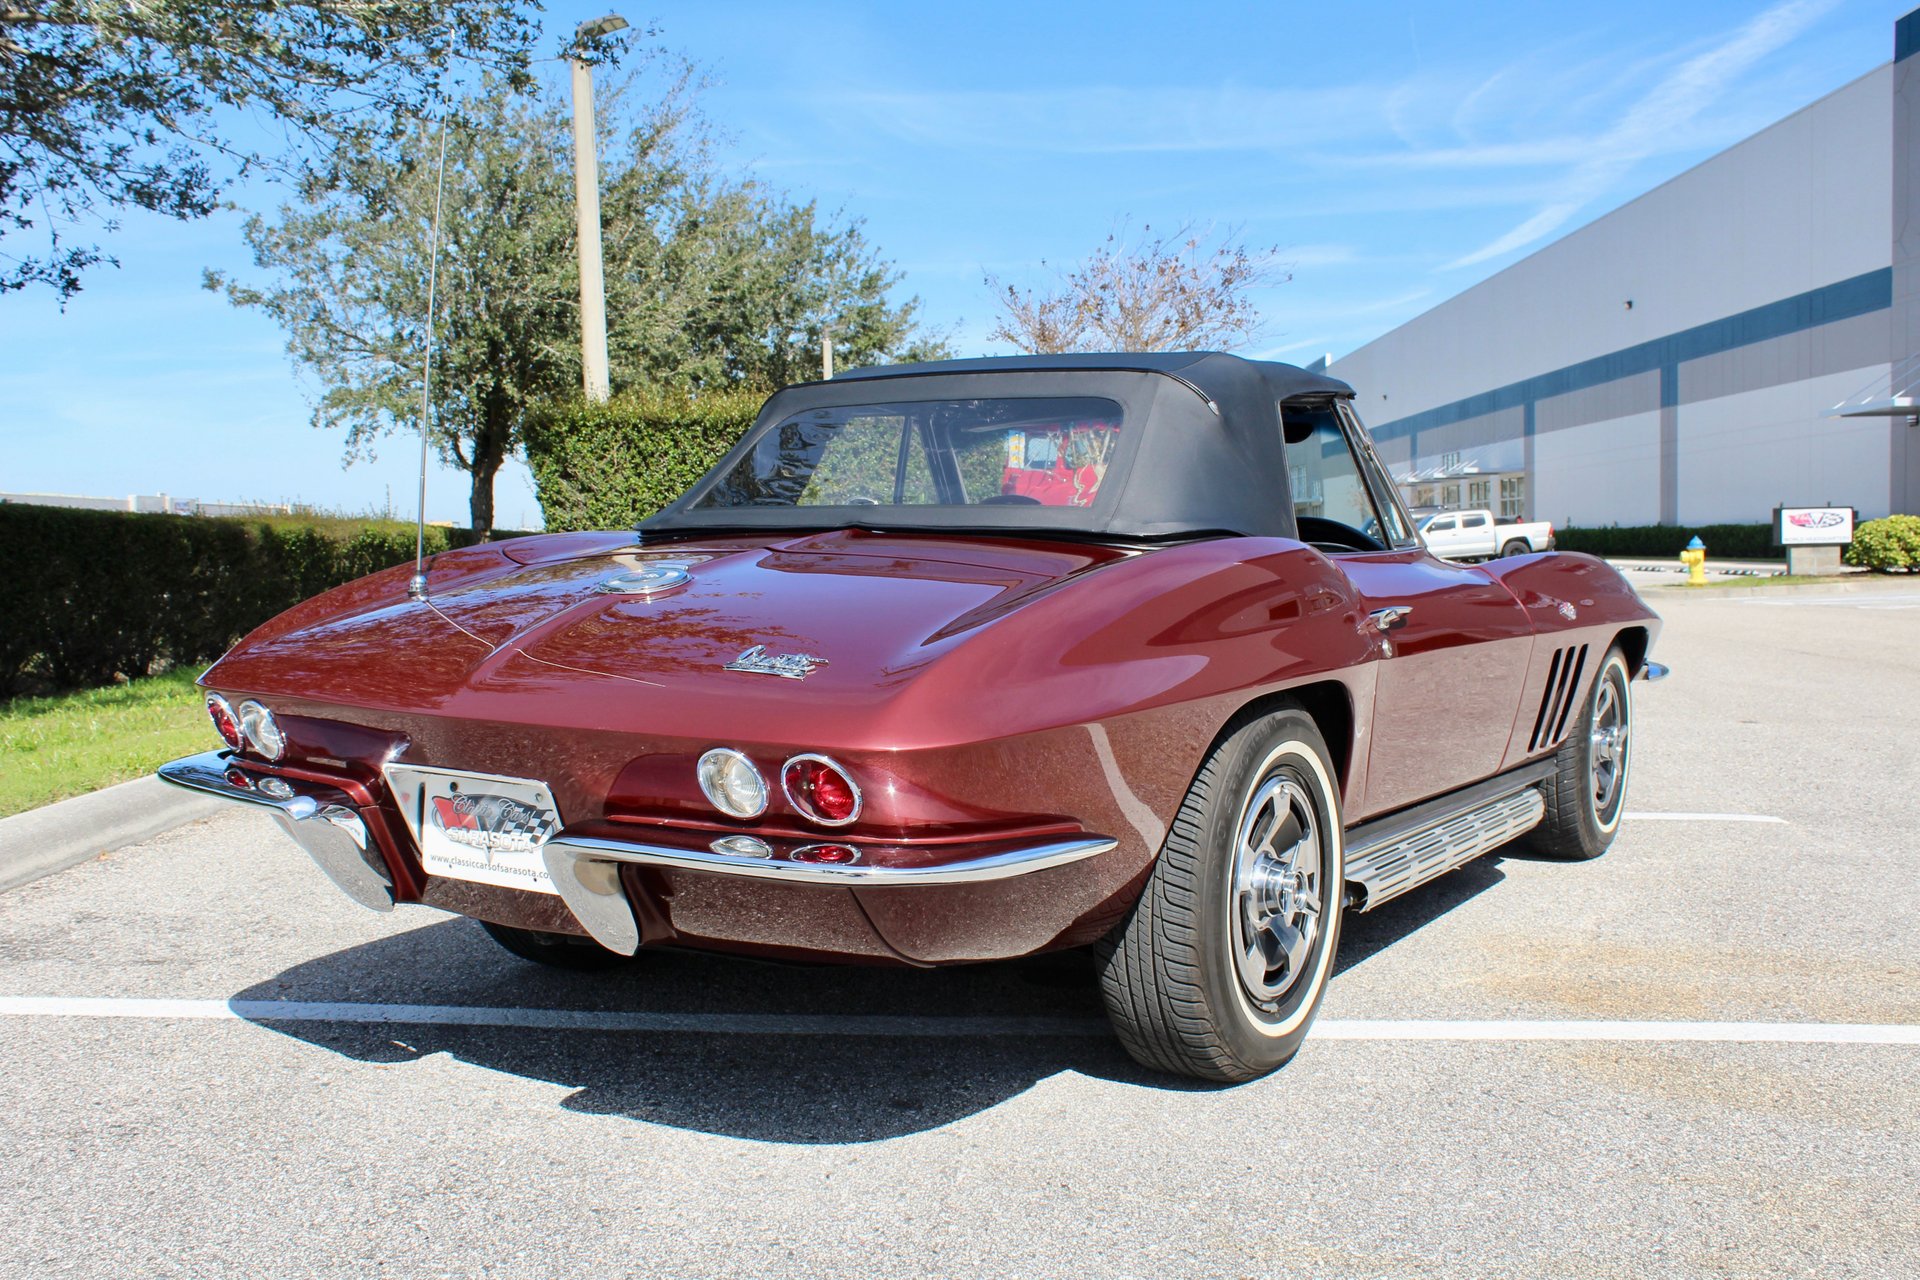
(1847, 585)
(42, 841)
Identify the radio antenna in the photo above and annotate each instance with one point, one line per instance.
(417, 586)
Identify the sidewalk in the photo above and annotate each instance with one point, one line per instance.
(42, 841)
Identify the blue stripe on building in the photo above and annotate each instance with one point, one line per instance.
(1861, 295)
(1906, 37)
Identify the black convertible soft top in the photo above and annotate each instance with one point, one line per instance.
(1203, 453)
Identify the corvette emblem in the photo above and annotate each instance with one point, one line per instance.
(791, 666)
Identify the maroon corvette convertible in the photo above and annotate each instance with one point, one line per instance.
(959, 662)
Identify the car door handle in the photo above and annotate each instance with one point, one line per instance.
(1391, 618)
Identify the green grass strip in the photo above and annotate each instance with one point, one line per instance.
(53, 748)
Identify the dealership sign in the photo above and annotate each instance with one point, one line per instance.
(1812, 526)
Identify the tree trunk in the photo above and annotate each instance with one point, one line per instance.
(489, 452)
(480, 501)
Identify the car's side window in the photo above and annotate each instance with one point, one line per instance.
(1473, 522)
(1443, 525)
(1331, 501)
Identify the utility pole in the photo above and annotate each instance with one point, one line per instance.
(586, 193)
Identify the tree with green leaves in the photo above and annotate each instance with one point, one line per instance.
(711, 284)
(352, 261)
(109, 106)
(750, 283)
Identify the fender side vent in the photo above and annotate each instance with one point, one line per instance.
(1556, 701)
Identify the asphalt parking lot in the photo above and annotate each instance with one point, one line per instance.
(183, 1094)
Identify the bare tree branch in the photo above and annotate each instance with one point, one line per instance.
(1179, 291)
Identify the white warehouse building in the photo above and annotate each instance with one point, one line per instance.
(1679, 360)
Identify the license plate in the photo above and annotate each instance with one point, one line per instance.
(478, 827)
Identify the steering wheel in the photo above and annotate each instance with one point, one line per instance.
(1330, 535)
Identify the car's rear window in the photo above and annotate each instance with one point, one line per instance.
(1041, 451)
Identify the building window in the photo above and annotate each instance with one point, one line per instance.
(1450, 496)
(1449, 462)
(1297, 485)
(1513, 496)
(1479, 492)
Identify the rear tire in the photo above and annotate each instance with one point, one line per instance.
(1219, 969)
(556, 950)
(1517, 547)
(1587, 792)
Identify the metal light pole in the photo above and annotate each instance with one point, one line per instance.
(586, 192)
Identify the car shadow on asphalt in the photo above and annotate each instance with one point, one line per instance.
(796, 1088)
(1365, 935)
(799, 1088)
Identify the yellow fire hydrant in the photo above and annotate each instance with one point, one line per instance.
(1695, 558)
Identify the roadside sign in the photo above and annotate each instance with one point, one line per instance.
(1812, 526)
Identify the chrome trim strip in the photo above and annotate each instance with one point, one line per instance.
(207, 772)
(333, 835)
(999, 866)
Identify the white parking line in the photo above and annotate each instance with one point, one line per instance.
(780, 1024)
(1701, 817)
(1838, 602)
(743, 1024)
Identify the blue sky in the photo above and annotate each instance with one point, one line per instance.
(1392, 154)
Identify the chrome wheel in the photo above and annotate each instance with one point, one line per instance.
(1277, 870)
(1610, 743)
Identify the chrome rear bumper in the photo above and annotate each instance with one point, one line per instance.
(586, 872)
(320, 819)
(586, 869)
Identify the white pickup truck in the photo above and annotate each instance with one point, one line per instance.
(1476, 535)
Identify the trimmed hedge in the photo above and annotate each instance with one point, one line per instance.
(1890, 544)
(1667, 541)
(606, 466)
(89, 596)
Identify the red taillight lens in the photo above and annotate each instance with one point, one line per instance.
(821, 790)
(224, 721)
(831, 854)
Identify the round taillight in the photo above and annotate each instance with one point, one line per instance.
(262, 730)
(821, 790)
(732, 784)
(837, 855)
(224, 722)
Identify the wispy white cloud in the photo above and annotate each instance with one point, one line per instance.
(1110, 118)
(1294, 256)
(1660, 120)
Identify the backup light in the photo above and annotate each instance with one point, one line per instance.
(262, 730)
(732, 784)
(224, 722)
(821, 790)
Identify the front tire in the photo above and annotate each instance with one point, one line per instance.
(1587, 792)
(1219, 969)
